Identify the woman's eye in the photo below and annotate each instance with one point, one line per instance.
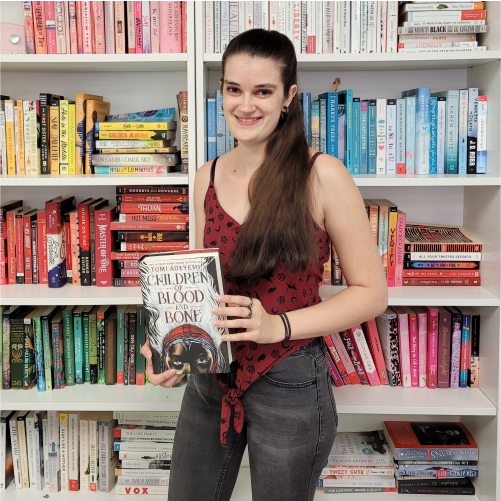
(231, 89)
(267, 92)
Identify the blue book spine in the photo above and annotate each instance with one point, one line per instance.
(332, 122)
(349, 130)
(482, 135)
(229, 139)
(211, 129)
(315, 125)
(323, 125)
(400, 161)
(433, 135)
(363, 137)
(355, 166)
(422, 162)
(220, 126)
(342, 129)
(391, 136)
(77, 334)
(39, 360)
(410, 134)
(465, 350)
(306, 102)
(372, 136)
(463, 131)
(472, 129)
(451, 130)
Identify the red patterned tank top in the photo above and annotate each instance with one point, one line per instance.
(280, 293)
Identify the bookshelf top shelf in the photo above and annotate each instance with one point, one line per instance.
(398, 296)
(380, 62)
(92, 63)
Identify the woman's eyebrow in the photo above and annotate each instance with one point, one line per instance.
(272, 86)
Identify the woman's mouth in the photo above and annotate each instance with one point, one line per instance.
(247, 121)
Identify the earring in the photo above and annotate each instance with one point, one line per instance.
(284, 114)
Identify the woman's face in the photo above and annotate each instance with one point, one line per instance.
(253, 97)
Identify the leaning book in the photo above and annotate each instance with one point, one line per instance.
(180, 289)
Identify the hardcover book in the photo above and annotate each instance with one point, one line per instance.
(179, 290)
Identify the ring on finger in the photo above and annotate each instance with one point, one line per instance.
(249, 315)
(251, 303)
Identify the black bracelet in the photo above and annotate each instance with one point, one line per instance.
(287, 326)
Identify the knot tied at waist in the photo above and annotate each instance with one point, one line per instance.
(231, 400)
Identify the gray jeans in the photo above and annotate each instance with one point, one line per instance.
(290, 423)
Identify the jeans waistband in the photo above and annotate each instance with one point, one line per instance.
(313, 343)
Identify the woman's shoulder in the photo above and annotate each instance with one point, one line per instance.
(329, 171)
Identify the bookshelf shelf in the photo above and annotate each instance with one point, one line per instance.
(403, 180)
(83, 63)
(93, 180)
(355, 399)
(381, 62)
(398, 296)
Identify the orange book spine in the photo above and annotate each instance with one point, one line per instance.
(28, 28)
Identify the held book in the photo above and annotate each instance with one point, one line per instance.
(179, 290)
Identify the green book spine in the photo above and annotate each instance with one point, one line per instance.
(6, 352)
(69, 347)
(132, 347)
(29, 355)
(93, 348)
(39, 362)
(47, 353)
(140, 340)
(16, 352)
(110, 342)
(58, 352)
(101, 351)
(86, 347)
(77, 333)
(120, 344)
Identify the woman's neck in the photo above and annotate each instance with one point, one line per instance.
(248, 158)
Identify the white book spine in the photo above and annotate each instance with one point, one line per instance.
(363, 27)
(281, 17)
(23, 452)
(473, 22)
(84, 455)
(372, 9)
(233, 20)
(27, 137)
(4, 438)
(392, 28)
(45, 436)
(142, 445)
(297, 26)
(257, 14)
(139, 434)
(441, 127)
(74, 451)
(109, 23)
(249, 15)
(345, 27)
(16, 458)
(54, 452)
(217, 27)
(355, 27)
(148, 490)
(482, 137)
(328, 20)
(63, 441)
(39, 462)
(336, 28)
(30, 439)
(401, 135)
(289, 20)
(446, 49)
(93, 456)
(439, 37)
(311, 17)
(304, 27)
(142, 481)
(131, 36)
(107, 455)
(139, 472)
(225, 25)
(144, 455)
(383, 19)
(209, 27)
(391, 146)
(419, 6)
(319, 33)
(137, 463)
(265, 15)
(381, 136)
(273, 15)
(241, 17)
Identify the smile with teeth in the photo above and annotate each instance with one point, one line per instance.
(248, 120)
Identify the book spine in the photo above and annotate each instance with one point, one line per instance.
(39, 26)
(59, 27)
(136, 434)
(217, 27)
(73, 238)
(54, 144)
(337, 361)
(381, 151)
(78, 8)
(110, 348)
(355, 27)
(56, 246)
(86, 347)
(360, 343)
(391, 27)
(28, 28)
(455, 350)
(482, 135)
(63, 441)
(58, 355)
(84, 244)
(209, 27)
(100, 348)
(98, 27)
(422, 323)
(73, 451)
(23, 452)
(20, 134)
(211, 129)
(304, 32)
(120, 345)
(355, 165)
(19, 249)
(63, 137)
(441, 138)
(145, 15)
(72, 10)
(109, 27)
(372, 144)
(410, 134)
(54, 451)
(140, 340)
(465, 351)
(472, 130)
(42, 248)
(438, 6)
(220, 122)
(38, 349)
(432, 348)
(84, 455)
(93, 349)
(10, 137)
(29, 356)
(357, 363)
(30, 443)
(345, 27)
(132, 348)
(445, 15)
(414, 350)
(126, 349)
(399, 252)
(45, 441)
(93, 455)
(422, 165)
(131, 28)
(119, 27)
(433, 135)
(404, 349)
(47, 353)
(473, 372)
(155, 26)
(69, 347)
(16, 457)
(392, 246)
(104, 247)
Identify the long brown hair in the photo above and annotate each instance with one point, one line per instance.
(279, 224)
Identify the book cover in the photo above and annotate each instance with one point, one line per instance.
(472, 130)
(362, 348)
(388, 333)
(455, 357)
(404, 346)
(482, 135)
(422, 328)
(432, 361)
(354, 356)
(173, 330)
(433, 135)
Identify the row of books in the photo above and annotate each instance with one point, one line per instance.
(348, 27)
(109, 27)
(52, 135)
(434, 347)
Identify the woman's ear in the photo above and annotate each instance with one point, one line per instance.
(292, 93)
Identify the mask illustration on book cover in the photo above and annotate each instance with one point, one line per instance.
(178, 297)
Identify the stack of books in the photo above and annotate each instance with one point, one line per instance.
(432, 458)
(144, 444)
(441, 27)
(359, 462)
(104, 27)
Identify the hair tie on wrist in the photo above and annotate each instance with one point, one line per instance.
(287, 326)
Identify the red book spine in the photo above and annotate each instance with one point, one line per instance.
(127, 265)
(441, 281)
(98, 19)
(129, 272)
(355, 357)
(69, 267)
(374, 343)
(153, 246)
(138, 20)
(153, 218)
(86, 27)
(3, 267)
(50, 26)
(184, 26)
(156, 208)
(105, 268)
(84, 243)
(338, 381)
(74, 247)
(335, 357)
(39, 26)
(11, 246)
(43, 274)
(153, 198)
(28, 270)
(28, 28)
(126, 282)
(34, 251)
(19, 250)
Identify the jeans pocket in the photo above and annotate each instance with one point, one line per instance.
(295, 371)
(331, 395)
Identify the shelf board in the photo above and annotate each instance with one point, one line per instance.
(174, 178)
(381, 62)
(355, 399)
(92, 63)
(406, 180)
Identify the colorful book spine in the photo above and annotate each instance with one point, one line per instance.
(473, 371)
(457, 323)
(47, 351)
(355, 167)
(444, 347)
(155, 26)
(414, 347)
(58, 351)
(391, 140)
(323, 125)
(69, 346)
(28, 28)
(433, 135)
(120, 27)
(220, 125)
(482, 135)
(109, 27)
(372, 145)
(145, 5)
(63, 137)
(54, 458)
(404, 346)
(98, 27)
(400, 137)
(73, 31)
(410, 134)
(211, 129)
(78, 344)
(441, 130)
(399, 251)
(364, 137)
(349, 126)
(131, 30)
(120, 344)
(39, 27)
(432, 369)
(315, 125)
(345, 358)
(54, 126)
(463, 132)
(140, 340)
(86, 344)
(104, 245)
(56, 245)
(465, 350)
(381, 137)
(355, 358)
(306, 105)
(422, 326)
(472, 129)
(331, 122)
(72, 136)
(362, 348)
(138, 26)
(60, 27)
(451, 131)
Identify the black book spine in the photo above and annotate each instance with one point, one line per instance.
(475, 349)
(44, 133)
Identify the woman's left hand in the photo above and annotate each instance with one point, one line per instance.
(261, 327)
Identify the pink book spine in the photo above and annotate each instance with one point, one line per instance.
(163, 24)
(67, 26)
(184, 26)
(345, 358)
(422, 348)
(432, 347)
(28, 28)
(362, 348)
(131, 28)
(109, 27)
(119, 28)
(170, 36)
(413, 336)
(155, 28)
(404, 346)
(355, 357)
(399, 251)
(374, 343)
(334, 355)
(50, 27)
(78, 6)
(129, 272)
(60, 28)
(98, 17)
(72, 9)
(86, 28)
(39, 27)
(146, 27)
(138, 21)
(334, 373)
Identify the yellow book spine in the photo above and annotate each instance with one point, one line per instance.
(27, 137)
(54, 139)
(80, 109)
(63, 136)
(136, 126)
(169, 149)
(9, 136)
(71, 139)
(20, 137)
(96, 111)
(35, 165)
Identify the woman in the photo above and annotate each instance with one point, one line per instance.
(286, 206)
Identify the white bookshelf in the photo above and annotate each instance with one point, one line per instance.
(146, 81)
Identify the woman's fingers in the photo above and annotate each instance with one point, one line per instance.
(146, 350)
(167, 377)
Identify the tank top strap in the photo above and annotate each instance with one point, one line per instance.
(314, 157)
(213, 170)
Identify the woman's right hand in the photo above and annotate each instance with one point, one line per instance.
(167, 379)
